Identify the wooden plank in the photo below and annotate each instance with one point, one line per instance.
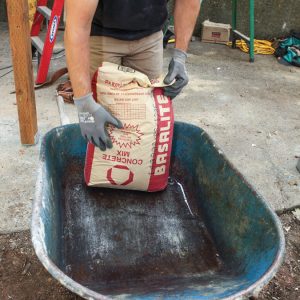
(18, 20)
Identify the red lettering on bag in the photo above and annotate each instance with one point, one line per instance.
(124, 160)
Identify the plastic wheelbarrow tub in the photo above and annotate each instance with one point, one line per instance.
(209, 235)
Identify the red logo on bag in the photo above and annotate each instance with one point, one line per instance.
(119, 175)
(127, 137)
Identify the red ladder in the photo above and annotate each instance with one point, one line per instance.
(45, 49)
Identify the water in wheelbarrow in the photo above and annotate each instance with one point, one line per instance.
(117, 241)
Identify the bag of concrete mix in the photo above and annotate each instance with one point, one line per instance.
(140, 157)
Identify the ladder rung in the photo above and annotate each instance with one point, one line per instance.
(39, 45)
(45, 11)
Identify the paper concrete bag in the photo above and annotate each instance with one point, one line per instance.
(140, 157)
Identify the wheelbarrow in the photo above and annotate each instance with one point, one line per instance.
(208, 235)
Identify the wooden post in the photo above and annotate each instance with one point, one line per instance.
(18, 21)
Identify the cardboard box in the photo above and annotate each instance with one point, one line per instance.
(215, 32)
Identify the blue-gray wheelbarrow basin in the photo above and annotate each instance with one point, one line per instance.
(209, 235)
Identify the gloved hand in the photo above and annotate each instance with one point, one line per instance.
(93, 119)
(177, 71)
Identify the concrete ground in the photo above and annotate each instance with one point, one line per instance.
(252, 111)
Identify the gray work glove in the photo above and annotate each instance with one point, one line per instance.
(93, 119)
(178, 72)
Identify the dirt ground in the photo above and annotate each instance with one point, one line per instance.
(23, 277)
(286, 283)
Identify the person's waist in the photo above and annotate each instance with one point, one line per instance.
(121, 34)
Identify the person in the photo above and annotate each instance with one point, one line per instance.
(126, 32)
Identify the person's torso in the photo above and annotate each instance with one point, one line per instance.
(129, 19)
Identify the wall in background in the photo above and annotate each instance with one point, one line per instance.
(3, 16)
(273, 18)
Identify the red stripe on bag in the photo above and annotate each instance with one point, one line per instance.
(163, 142)
(90, 150)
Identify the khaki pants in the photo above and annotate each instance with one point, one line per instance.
(144, 55)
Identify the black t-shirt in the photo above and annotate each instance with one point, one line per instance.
(129, 19)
